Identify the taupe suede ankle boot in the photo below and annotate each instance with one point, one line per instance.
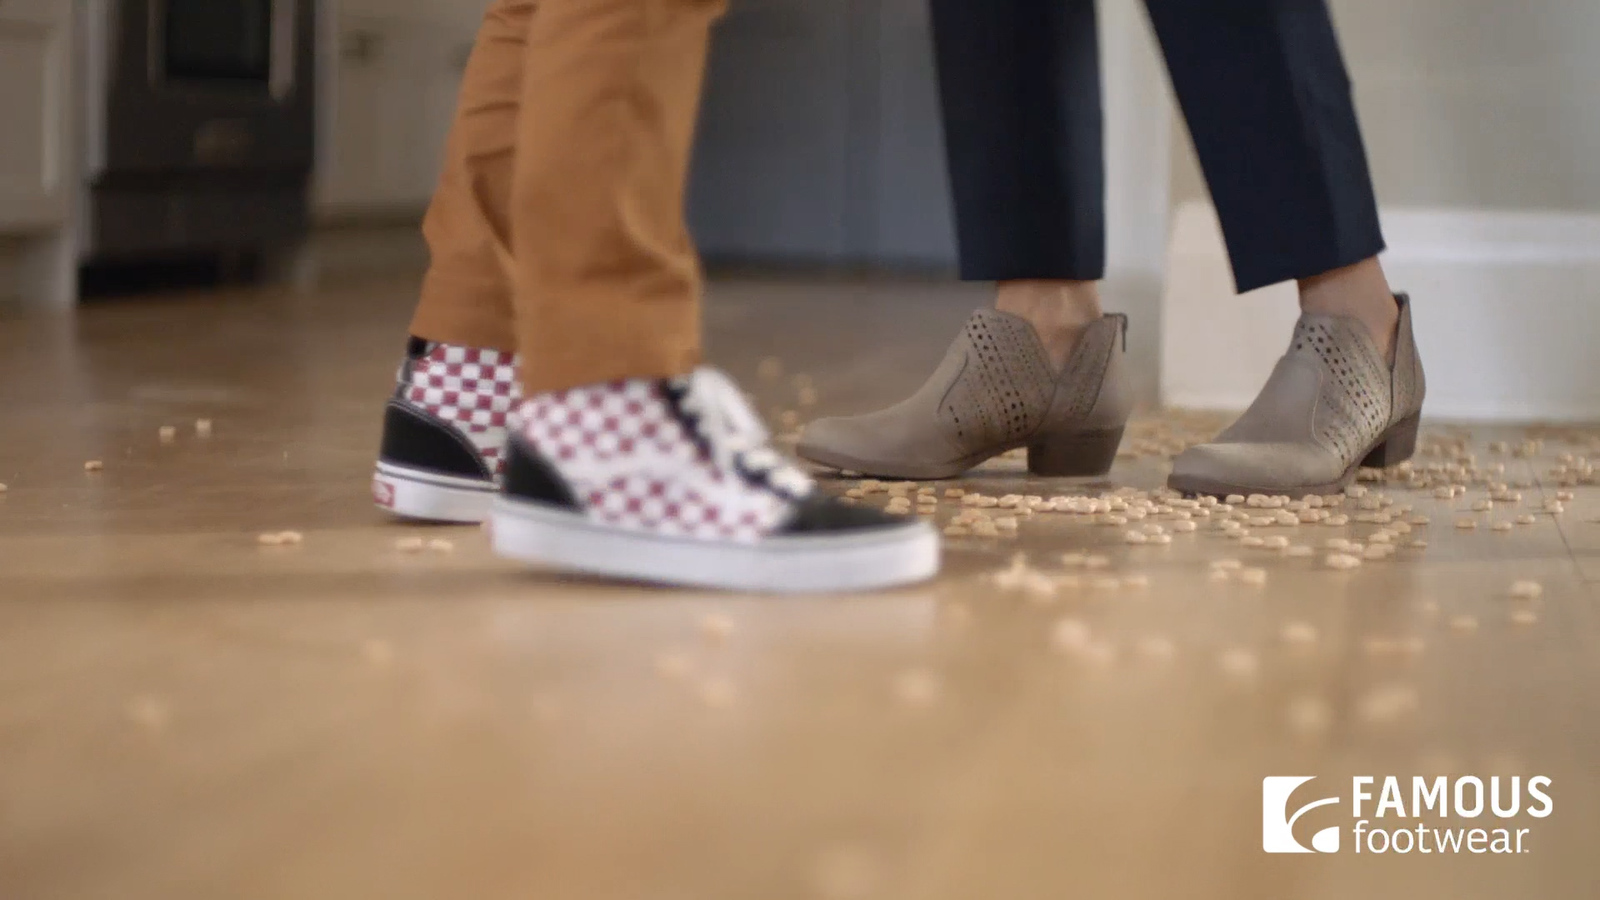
(994, 391)
(1331, 406)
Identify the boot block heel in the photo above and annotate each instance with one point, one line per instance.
(1398, 445)
(1076, 455)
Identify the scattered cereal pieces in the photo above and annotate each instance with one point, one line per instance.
(94, 465)
(1527, 590)
(716, 628)
(202, 428)
(1342, 561)
(410, 544)
(167, 433)
(917, 688)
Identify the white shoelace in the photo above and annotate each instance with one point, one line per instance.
(735, 434)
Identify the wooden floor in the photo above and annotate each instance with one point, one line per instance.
(185, 713)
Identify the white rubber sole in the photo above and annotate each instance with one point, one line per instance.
(833, 563)
(420, 494)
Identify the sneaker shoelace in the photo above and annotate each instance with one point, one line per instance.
(733, 434)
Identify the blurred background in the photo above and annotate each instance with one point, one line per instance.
(821, 152)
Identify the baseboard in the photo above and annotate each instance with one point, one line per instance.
(1504, 303)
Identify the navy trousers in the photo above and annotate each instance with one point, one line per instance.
(1262, 85)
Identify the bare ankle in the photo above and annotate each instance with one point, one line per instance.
(1059, 311)
(1360, 292)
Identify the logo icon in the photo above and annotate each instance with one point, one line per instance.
(1277, 823)
(383, 493)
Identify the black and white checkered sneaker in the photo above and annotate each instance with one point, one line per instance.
(674, 482)
(445, 431)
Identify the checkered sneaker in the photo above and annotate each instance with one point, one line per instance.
(472, 389)
(684, 457)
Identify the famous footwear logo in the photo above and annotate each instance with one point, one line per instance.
(1391, 814)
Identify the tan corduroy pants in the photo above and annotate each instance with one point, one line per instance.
(557, 229)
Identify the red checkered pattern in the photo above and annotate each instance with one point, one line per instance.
(473, 389)
(634, 465)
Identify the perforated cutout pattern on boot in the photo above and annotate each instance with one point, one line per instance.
(1004, 392)
(1356, 397)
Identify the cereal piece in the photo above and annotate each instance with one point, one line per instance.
(409, 544)
(806, 396)
(673, 664)
(1526, 519)
(954, 493)
(1277, 542)
(1466, 524)
(718, 694)
(1006, 523)
(1309, 716)
(1564, 496)
(202, 428)
(1252, 541)
(1239, 663)
(1160, 539)
(377, 652)
(1377, 552)
(1482, 505)
(1234, 499)
(1342, 561)
(270, 539)
(291, 538)
(1097, 562)
(3, 487)
(1253, 576)
(1185, 526)
(1502, 526)
(1388, 703)
(1527, 590)
(1524, 617)
(917, 688)
(717, 628)
(1336, 521)
(94, 465)
(1299, 634)
(167, 433)
(1156, 648)
(1554, 507)
(1418, 544)
(440, 545)
(148, 712)
(1418, 520)
(1070, 635)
